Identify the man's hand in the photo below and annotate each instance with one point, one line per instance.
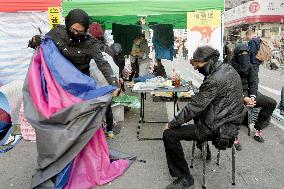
(253, 100)
(35, 42)
(116, 92)
(248, 101)
(166, 127)
(120, 81)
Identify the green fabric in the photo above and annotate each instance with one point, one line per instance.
(126, 11)
(126, 100)
(124, 35)
(139, 7)
(177, 20)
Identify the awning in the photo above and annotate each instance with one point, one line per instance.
(27, 5)
(128, 11)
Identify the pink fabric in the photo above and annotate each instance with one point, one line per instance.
(60, 98)
(27, 130)
(92, 166)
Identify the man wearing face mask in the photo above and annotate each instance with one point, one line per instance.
(219, 102)
(241, 63)
(78, 47)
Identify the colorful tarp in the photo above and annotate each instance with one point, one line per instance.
(66, 108)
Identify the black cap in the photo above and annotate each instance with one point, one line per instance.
(205, 53)
(77, 16)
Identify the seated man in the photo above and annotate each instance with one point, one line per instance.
(218, 103)
(241, 63)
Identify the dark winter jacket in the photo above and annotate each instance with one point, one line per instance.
(218, 102)
(254, 46)
(246, 72)
(81, 53)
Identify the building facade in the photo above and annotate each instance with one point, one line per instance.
(265, 17)
(229, 4)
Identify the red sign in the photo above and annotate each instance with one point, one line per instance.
(254, 7)
(29, 5)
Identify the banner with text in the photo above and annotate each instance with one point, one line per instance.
(54, 16)
(204, 28)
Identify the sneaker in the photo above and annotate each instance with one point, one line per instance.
(110, 134)
(259, 136)
(238, 145)
(181, 183)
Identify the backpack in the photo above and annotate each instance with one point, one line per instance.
(264, 52)
(225, 136)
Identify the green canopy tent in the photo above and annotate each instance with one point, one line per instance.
(173, 12)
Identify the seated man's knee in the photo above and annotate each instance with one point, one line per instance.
(273, 103)
(166, 134)
(169, 135)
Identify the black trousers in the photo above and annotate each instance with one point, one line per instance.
(267, 105)
(256, 68)
(177, 164)
(135, 69)
(109, 118)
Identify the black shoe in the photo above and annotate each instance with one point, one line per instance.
(259, 139)
(258, 136)
(181, 183)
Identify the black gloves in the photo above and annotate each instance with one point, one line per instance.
(35, 42)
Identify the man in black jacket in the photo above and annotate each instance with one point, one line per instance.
(78, 47)
(241, 63)
(219, 102)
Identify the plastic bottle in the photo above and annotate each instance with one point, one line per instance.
(174, 77)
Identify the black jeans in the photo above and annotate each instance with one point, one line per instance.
(174, 153)
(109, 118)
(256, 67)
(135, 69)
(267, 105)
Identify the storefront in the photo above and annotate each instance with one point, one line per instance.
(266, 17)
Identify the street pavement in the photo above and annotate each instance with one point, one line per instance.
(258, 166)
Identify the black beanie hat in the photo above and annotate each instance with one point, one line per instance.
(205, 53)
(77, 16)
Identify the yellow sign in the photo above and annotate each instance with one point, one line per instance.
(54, 16)
(211, 18)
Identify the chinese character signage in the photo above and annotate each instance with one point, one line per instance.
(54, 16)
(204, 28)
(211, 18)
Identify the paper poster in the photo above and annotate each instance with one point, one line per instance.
(54, 16)
(204, 28)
